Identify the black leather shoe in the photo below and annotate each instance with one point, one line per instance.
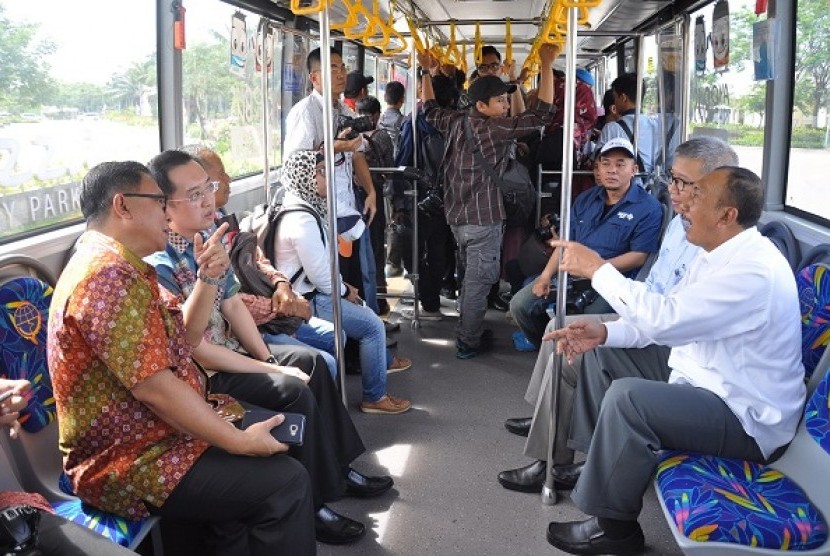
(361, 486)
(566, 476)
(333, 528)
(391, 326)
(588, 537)
(391, 342)
(519, 425)
(530, 478)
(498, 304)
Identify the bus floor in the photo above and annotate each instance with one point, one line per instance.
(445, 453)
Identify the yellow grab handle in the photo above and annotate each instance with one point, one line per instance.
(351, 17)
(416, 38)
(306, 10)
(479, 44)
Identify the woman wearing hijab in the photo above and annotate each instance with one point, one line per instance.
(299, 246)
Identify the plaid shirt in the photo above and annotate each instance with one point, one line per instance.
(470, 196)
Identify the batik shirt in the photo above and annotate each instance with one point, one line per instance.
(109, 330)
(177, 272)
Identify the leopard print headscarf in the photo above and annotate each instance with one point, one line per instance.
(298, 177)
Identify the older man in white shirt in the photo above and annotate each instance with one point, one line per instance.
(736, 386)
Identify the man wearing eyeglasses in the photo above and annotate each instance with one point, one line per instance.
(693, 159)
(305, 127)
(239, 363)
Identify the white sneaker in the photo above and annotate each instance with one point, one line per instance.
(422, 314)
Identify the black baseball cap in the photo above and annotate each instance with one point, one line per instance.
(487, 87)
(356, 81)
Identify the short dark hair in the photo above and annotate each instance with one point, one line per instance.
(394, 93)
(314, 57)
(161, 164)
(627, 84)
(485, 50)
(745, 192)
(106, 179)
(446, 93)
(368, 105)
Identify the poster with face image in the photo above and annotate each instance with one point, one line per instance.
(720, 35)
(701, 46)
(239, 44)
(269, 45)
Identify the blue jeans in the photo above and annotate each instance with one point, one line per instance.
(368, 270)
(362, 324)
(317, 333)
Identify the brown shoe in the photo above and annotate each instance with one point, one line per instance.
(399, 364)
(387, 405)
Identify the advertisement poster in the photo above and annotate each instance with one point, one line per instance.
(269, 45)
(763, 49)
(239, 44)
(720, 35)
(701, 45)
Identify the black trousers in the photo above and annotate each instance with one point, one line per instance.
(433, 236)
(253, 506)
(331, 440)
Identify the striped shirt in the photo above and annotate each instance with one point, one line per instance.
(470, 196)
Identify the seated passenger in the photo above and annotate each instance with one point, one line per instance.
(239, 363)
(315, 332)
(620, 221)
(693, 159)
(736, 388)
(298, 246)
(137, 435)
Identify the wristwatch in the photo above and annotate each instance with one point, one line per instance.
(424, 71)
(271, 359)
(211, 281)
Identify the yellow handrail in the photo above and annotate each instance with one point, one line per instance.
(508, 38)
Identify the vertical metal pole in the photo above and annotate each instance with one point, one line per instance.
(414, 275)
(548, 493)
(331, 195)
(686, 78)
(266, 169)
(641, 69)
(662, 107)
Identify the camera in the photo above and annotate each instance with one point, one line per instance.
(358, 125)
(18, 530)
(233, 223)
(433, 202)
(543, 233)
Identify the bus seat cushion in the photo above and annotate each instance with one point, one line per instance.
(714, 499)
(816, 415)
(814, 296)
(117, 529)
(24, 314)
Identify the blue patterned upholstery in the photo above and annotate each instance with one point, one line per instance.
(117, 529)
(816, 415)
(715, 499)
(24, 313)
(814, 296)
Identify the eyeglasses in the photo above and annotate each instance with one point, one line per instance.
(197, 196)
(489, 67)
(679, 183)
(161, 198)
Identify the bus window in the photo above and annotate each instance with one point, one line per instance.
(728, 103)
(75, 92)
(351, 51)
(222, 100)
(370, 69)
(809, 166)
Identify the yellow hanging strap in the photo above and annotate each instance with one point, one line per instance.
(376, 25)
(479, 44)
(351, 17)
(508, 49)
(416, 37)
(452, 55)
(363, 23)
(463, 67)
(389, 33)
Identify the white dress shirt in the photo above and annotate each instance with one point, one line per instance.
(304, 131)
(676, 255)
(734, 325)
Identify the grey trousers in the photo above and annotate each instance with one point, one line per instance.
(640, 417)
(539, 394)
(600, 367)
(479, 249)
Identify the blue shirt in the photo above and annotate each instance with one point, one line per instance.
(676, 254)
(633, 224)
(176, 268)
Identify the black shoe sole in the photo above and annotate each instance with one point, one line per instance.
(518, 431)
(617, 551)
(340, 540)
(354, 493)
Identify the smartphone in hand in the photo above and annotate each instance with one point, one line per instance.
(290, 431)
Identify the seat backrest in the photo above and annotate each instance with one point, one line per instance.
(817, 254)
(813, 284)
(782, 237)
(642, 274)
(24, 314)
